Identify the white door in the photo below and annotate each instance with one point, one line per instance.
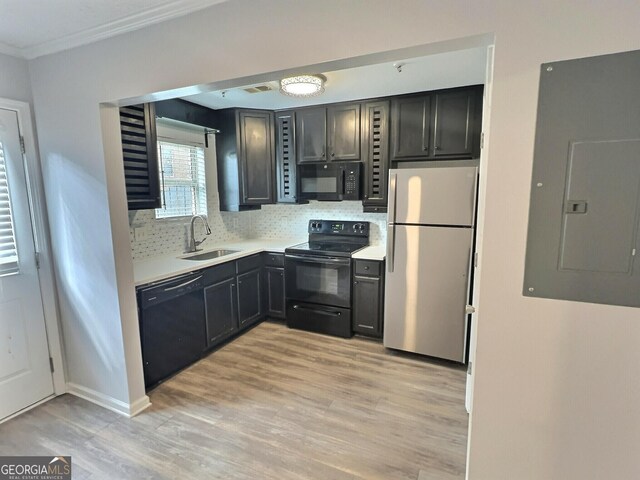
(25, 375)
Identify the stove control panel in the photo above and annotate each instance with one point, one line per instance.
(339, 227)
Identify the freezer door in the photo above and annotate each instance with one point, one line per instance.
(426, 293)
(433, 196)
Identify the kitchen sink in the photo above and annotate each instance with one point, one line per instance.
(210, 255)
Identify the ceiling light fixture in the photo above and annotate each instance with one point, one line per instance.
(303, 85)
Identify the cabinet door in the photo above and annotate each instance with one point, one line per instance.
(256, 156)
(249, 297)
(343, 136)
(286, 178)
(410, 127)
(367, 311)
(140, 156)
(311, 134)
(275, 292)
(221, 310)
(375, 152)
(453, 124)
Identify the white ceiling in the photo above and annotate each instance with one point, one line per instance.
(445, 70)
(31, 28)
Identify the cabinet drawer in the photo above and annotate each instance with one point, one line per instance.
(248, 263)
(368, 267)
(274, 259)
(218, 273)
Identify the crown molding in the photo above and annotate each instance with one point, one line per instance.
(161, 13)
(11, 51)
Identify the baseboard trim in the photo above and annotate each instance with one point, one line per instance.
(26, 409)
(127, 409)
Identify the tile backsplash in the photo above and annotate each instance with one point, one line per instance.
(281, 220)
(163, 237)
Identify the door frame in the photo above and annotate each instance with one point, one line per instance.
(40, 228)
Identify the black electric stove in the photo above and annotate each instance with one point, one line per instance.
(318, 276)
(333, 238)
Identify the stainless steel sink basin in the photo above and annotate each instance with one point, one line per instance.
(210, 255)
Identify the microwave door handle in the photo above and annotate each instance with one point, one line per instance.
(341, 182)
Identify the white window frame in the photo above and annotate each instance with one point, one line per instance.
(169, 132)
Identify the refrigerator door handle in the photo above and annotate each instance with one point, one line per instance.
(391, 245)
(393, 181)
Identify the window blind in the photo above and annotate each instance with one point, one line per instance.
(183, 180)
(8, 250)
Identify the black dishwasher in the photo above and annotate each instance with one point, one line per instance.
(172, 326)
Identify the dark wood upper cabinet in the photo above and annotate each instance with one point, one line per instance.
(343, 135)
(441, 125)
(410, 127)
(286, 178)
(454, 124)
(311, 134)
(328, 133)
(245, 159)
(140, 156)
(375, 155)
(256, 156)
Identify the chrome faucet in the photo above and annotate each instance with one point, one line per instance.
(193, 243)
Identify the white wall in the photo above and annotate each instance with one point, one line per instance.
(14, 78)
(556, 382)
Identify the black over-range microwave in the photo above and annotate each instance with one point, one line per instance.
(330, 181)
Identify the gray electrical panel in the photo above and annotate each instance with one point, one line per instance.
(585, 193)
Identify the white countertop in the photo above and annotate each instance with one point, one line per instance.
(154, 269)
(372, 252)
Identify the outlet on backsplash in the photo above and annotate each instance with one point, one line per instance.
(141, 232)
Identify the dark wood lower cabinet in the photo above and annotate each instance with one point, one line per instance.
(367, 300)
(275, 292)
(221, 310)
(241, 293)
(249, 297)
(233, 297)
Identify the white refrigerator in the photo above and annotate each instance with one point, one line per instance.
(430, 232)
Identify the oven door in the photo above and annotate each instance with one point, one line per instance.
(316, 279)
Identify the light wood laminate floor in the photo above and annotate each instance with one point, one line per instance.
(273, 404)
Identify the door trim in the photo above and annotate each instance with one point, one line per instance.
(40, 225)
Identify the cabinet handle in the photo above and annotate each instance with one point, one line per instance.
(355, 283)
(437, 147)
(333, 154)
(425, 148)
(366, 267)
